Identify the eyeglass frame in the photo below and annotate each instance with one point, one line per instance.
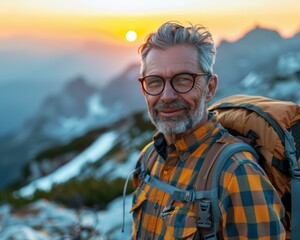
(193, 75)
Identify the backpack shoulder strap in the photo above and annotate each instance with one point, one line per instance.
(217, 157)
(145, 163)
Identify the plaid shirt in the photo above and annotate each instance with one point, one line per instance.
(250, 207)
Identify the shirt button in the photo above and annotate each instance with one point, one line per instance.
(165, 172)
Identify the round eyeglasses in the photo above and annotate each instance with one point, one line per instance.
(181, 82)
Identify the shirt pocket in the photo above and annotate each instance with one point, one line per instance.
(181, 223)
(139, 197)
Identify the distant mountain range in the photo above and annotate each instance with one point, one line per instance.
(261, 63)
(31, 68)
(256, 49)
(85, 132)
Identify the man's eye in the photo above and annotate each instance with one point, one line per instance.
(184, 79)
(152, 82)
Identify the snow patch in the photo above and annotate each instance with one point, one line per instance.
(95, 107)
(71, 169)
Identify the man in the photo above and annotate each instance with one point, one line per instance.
(178, 81)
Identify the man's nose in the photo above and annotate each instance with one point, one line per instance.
(168, 94)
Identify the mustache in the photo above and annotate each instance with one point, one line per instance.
(172, 105)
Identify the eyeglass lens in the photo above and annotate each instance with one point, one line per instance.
(181, 83)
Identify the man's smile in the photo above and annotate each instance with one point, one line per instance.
(170, 112)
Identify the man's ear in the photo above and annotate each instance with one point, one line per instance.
(211, 87)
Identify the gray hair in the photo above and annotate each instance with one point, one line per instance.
(173, 33)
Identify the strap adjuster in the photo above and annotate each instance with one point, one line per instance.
(210, 236)
(143, 174)
(187, 196)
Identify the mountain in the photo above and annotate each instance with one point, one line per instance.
(279, 78)
(128, 133)
(45, 220)
(72, 173)
(32, 68)
(72, 111)
(67, 114)
(108, 153)
(124, 92)
(77, 108)
(258, 63)
(256, 48)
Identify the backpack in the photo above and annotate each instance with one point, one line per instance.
(270, 130)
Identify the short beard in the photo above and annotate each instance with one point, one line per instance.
(180, 124)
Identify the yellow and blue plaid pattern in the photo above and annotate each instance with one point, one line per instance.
(250, 207)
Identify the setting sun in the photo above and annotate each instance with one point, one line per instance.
(131, 36)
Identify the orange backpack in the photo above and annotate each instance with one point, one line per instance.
(272, 128)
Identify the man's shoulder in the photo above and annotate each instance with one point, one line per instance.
(233, 153)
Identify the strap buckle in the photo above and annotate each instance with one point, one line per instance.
(204, 214)
(296, 173)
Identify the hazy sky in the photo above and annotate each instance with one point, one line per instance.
(114, 18)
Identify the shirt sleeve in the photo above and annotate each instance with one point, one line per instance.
(250, 206)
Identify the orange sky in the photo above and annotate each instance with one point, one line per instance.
(83, 19)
